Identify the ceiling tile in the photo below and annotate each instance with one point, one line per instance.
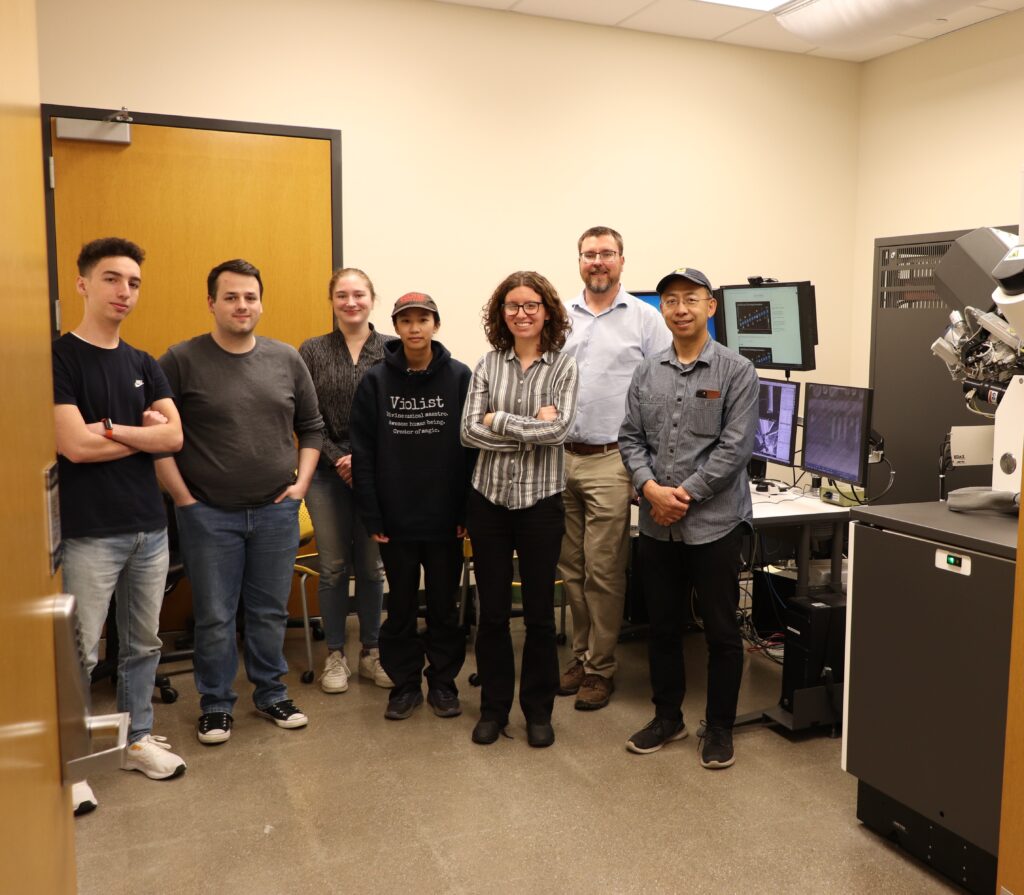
(595, 12)
(952, 22)
(869, 51)
(766, 33)
(1004, 5)
(690, 18)
(486, 4)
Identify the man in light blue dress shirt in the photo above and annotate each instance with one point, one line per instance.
(612, 332)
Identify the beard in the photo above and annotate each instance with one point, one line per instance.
(599, 288)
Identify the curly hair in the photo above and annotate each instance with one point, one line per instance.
(556, 326)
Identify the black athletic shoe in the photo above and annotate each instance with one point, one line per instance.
(716, 750)
(655, 735)
(540, 734)
(444, 702)
(487, 731)
(402, 705)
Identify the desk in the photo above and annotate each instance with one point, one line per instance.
(784, 510)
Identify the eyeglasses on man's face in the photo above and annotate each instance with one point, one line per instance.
(606, 256)
(689, 301)
(530, 307)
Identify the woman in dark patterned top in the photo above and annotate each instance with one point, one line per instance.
(521, 403)
(337, 362)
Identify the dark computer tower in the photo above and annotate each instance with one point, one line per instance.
(815, 645)
(769, 602)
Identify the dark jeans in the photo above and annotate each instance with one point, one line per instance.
(444, 644)
(535, 534)
(669, 569)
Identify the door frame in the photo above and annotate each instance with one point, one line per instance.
(49, 111)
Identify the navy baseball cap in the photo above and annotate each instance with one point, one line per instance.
(687, 273)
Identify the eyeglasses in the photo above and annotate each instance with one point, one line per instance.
(591, 257)
(691, 301)
(531, 308)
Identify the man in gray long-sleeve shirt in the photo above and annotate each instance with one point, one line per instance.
(686, 441)
(236, 493)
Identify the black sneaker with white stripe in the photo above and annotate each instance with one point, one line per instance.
(214, 727)
(284, 714)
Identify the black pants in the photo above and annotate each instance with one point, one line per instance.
(669, 569)
(444, 644)
(535, 534)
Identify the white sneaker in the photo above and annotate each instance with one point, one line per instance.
(82, 798)
(336, 673)
(153, 756)
(370, 668)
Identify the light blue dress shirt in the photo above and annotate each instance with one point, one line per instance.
(608, 347)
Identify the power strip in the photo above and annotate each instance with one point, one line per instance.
(830, 494)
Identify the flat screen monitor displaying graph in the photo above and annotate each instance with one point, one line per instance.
(772, 324)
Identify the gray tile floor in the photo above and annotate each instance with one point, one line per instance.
(354, 803)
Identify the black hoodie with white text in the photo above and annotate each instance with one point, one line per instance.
(410, 472)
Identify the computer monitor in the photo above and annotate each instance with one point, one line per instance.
(773, 324)
(837, 422)
(775, 435)
(653, 299)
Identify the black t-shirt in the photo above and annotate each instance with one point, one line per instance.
(118, 496)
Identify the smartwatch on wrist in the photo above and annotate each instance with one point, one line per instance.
(108, 428)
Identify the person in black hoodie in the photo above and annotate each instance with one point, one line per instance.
(410, 475)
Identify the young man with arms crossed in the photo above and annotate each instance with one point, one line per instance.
(243, 399)
(113, 411)
(686, 440)
(612, 332)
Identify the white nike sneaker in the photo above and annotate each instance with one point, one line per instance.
(336, 673)
(370, 668)
(82, 798)
(153, 756)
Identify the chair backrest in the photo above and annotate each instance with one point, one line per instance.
(305, 525)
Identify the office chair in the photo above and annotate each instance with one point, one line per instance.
(307, 565)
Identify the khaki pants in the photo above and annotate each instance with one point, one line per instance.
(594, 553)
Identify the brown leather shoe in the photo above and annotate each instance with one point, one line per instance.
(595, 692)
(572, 677)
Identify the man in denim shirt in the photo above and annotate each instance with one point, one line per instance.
(686, 441)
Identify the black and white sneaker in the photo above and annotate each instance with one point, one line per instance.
(655, 735)
(284, 714)
(716, 749)
(214, 727)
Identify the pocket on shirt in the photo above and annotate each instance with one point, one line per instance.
(704, 416)
(652, 414)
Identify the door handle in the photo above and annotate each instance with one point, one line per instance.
(77, 727)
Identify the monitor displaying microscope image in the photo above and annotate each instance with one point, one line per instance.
(775, 434)
(772, 324)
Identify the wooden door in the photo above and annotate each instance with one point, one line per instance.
(36, 826)
(194, 193)
(1011, 827)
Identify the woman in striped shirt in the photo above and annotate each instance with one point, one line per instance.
(521, 403)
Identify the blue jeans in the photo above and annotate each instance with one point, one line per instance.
(248, 553)
(135, 566)
(345, 547)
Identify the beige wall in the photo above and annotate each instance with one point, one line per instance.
(477, 142)
(941, 147)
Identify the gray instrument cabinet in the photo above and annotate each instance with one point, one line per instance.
(927, 680)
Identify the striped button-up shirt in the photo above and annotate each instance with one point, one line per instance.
(693, 425)
(521, 458)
